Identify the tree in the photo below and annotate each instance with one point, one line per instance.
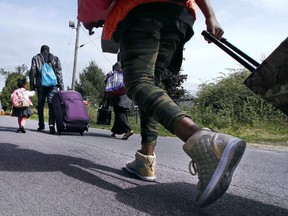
(173, 84)
(10, 86)
(21, 69)
(91, 83)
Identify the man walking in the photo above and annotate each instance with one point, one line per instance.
(44, 92)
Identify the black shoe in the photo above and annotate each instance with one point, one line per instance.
(40, 128)
(52, 129)
(22, 129)
(18, 130)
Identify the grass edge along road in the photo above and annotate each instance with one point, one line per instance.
(267, 135)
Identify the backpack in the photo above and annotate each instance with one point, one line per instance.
(48, 77)
(115, 85)
(20, 99)
(92, 13)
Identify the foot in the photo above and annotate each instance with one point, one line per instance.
(40, 128)
(52, 129)
(127, 135)
(214, 157)
(18, 130)
(143, 166)
(22, 129)
(113, 135)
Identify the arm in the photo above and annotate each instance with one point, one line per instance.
(211, 22)
(32, 74)
(30, 93)
(58, 72)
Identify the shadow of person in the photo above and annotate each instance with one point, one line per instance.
(28, 160)
(177, 198)
(10, 129)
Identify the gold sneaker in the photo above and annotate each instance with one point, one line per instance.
(214, 157)
(143, 166)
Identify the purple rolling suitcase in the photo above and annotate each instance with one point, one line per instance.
(70, 112)
(269, 80)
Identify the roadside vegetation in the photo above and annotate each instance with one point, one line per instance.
(223, 104)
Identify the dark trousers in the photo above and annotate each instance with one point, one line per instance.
(43, 94)
(120, 125)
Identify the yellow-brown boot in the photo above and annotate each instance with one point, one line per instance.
(143, 166)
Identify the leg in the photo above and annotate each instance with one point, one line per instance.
(19, 121)
(23, 121)
(22, 124)
(41, 104)
(120, 125)
(142, 77)
(215, 155)
(124, 121)
(51, 120)
(140, 55)
(19, 124)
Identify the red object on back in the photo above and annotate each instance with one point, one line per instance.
(92, 11)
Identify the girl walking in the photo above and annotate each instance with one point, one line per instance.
(21, 102)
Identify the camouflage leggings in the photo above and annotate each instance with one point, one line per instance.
(146, 50)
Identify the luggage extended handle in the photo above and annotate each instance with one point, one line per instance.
(233, 51)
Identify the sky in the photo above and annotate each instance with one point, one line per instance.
(256, 27)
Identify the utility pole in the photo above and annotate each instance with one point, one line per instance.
(75, 55)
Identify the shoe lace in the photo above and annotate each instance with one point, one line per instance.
(193, 168)
(151, 164)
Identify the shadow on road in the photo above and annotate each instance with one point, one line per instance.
(176, 198)
(10, 129)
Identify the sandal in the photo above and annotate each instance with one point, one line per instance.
(127, 135)
(113, 135)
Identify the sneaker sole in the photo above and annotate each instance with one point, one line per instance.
(145, 178)
(222, 176)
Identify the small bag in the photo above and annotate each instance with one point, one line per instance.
(115, 85)
(104, 116)
(48, 77)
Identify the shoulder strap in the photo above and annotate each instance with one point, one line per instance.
(42, 58)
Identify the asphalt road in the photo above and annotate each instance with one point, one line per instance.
(70, 174)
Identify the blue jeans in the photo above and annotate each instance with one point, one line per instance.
(43, 93)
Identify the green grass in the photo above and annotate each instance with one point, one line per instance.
(261, 133)
(267, 133)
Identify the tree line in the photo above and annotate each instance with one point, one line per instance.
(224, 102)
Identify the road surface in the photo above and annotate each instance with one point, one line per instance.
(43, 174)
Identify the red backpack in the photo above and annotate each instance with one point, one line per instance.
(92, 13)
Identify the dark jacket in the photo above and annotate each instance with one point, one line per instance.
(36, 65)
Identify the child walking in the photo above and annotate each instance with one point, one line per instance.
(21, 102)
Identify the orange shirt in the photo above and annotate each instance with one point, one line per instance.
(123, 7)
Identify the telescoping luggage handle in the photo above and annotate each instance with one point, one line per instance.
(233, 51)
(268, 80)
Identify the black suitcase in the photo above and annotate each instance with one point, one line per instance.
(70, 112)
(269, 79)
